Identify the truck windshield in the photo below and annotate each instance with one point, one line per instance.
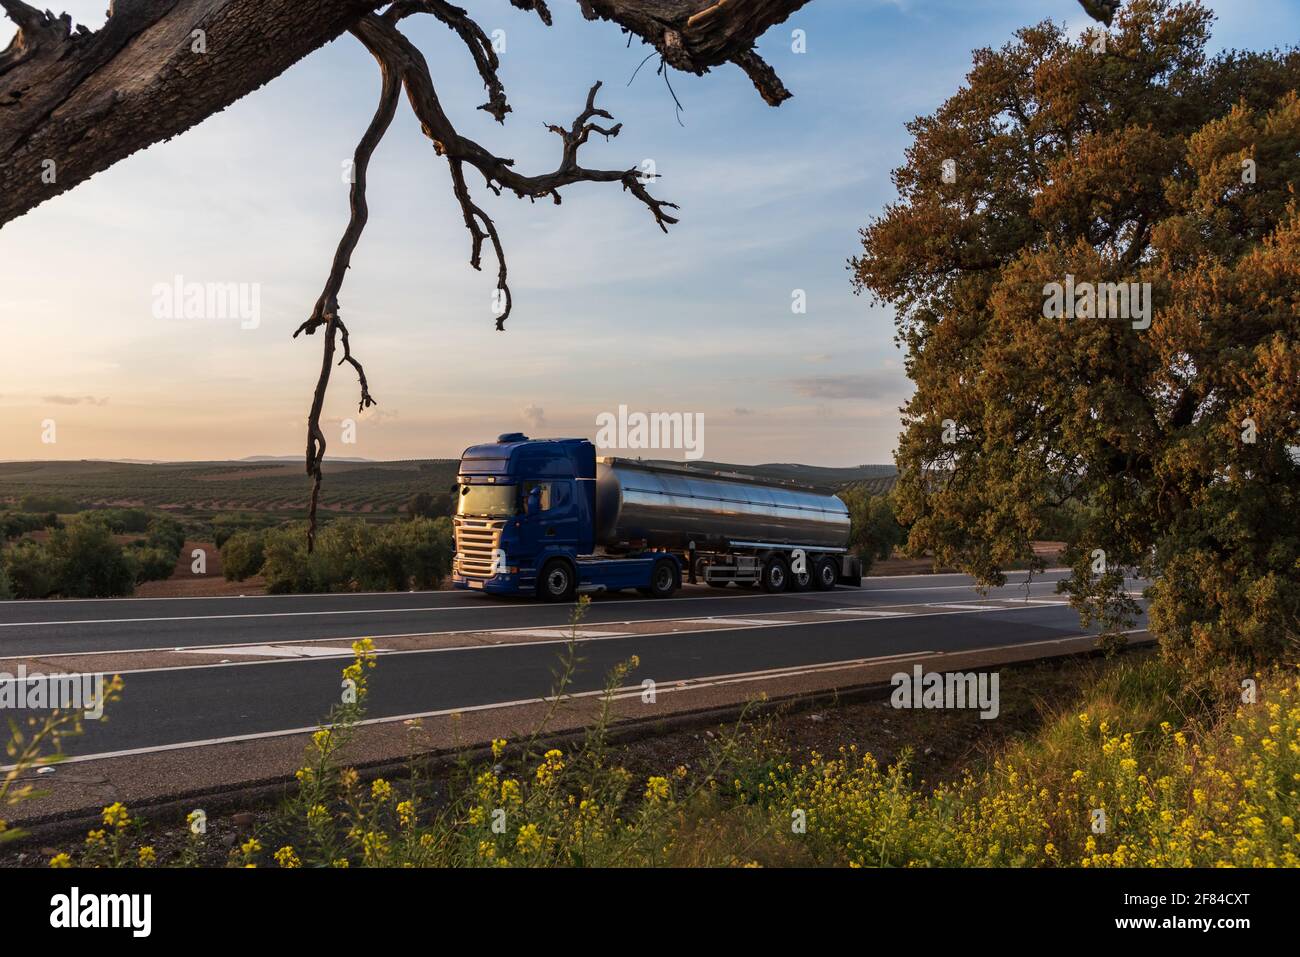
(487, 500)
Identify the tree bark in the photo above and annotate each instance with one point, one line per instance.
(86, 100)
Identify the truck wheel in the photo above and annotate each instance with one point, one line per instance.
(663, 581)
(825, 574)
(556, 583)
(776, 575)
(801, 581)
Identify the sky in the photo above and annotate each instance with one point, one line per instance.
(608, 311)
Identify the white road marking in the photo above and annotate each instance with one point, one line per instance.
(727, 621)
(559, 633)
(278, 651)
(962, 607)
(863, 612)
(627, 691)
(501, 645)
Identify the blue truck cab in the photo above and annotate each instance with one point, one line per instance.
(525, 525)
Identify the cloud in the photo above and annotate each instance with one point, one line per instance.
(535, 415)
(74, 400)
(877, 384)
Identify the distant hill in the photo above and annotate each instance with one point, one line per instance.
(293, 458)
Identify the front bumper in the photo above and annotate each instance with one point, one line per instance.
(517, 581)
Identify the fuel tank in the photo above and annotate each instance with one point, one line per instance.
(670, 507)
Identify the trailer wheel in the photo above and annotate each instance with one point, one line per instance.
(663, 580)
(776, 575)
(825, 574)
(557, 582)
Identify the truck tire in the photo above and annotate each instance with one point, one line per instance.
(776, 575)
(825, 574)
(663, 580)
(557, 582)
(803, 581)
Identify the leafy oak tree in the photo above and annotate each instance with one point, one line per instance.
(1128, 157)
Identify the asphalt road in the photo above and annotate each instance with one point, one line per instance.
(172, 706)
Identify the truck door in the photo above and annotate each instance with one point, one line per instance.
(556, 519)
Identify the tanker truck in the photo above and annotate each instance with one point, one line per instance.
(551, 519)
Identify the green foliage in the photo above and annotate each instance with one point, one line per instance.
(165, 533)
(124, 520)
(6, 586)
(80, 560)
(875, 531)
(32, 571)
(47, 502)
(14, 524)
(155, 556)
(1185, 778)
(242, 554)
(152, 564)
(1175, 441)
(89, 563)
(226, 524)
(428, 546)
(428, 505)
(351, 555)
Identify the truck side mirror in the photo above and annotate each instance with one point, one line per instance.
(533, 504)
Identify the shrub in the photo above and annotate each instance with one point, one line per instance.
(287, 566)
(428, 505)
(14, 524)
(32, 571)
(152, 564)
(352, 555)
(875, 532)
(6, 588)
(88, 562)
(167, 534)
(49, 503)
(227, 524)
(428, 545)
(242, 555)
(123, 520)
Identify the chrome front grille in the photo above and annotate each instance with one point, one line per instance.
(476, 541)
